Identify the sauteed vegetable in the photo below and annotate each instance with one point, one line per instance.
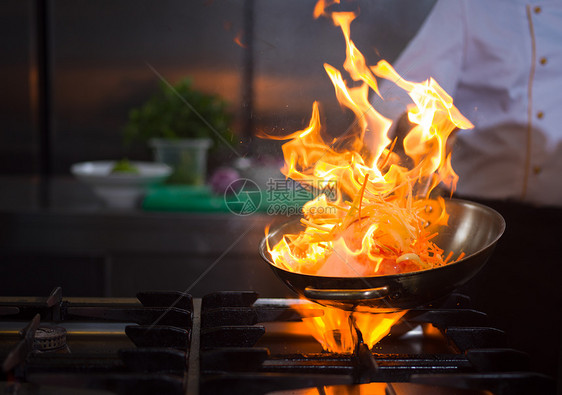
(370, 237)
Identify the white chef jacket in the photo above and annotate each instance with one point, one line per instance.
(501, 60)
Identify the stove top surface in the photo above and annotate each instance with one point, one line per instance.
(238, 343)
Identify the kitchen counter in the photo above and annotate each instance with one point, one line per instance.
(98, 251)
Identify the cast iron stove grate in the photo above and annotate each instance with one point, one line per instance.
(237, 343)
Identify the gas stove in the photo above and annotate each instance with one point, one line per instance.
(237, 343)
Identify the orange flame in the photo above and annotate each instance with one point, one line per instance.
(374, 389)
(377, 224)
(238, 39)
(335, 329)
(381, 219)
(320, 7)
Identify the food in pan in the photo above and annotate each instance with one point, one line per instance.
(366, 238)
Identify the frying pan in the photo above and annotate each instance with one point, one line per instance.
(473, 229)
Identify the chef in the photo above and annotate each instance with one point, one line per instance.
(501, 61)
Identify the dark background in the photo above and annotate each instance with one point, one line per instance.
(99, 52)
(70, 72)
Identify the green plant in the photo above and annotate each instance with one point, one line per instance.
(167, 115)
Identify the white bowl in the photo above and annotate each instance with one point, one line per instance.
(120, 190)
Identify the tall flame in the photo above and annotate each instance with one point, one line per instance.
(377, 223)
(380, 220)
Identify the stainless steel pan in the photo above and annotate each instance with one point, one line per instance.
(473, 228)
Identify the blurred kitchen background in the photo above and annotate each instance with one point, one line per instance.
(70, 72)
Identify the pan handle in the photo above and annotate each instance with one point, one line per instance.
(346, 294)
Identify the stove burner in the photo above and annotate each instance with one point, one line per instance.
(50, 339)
